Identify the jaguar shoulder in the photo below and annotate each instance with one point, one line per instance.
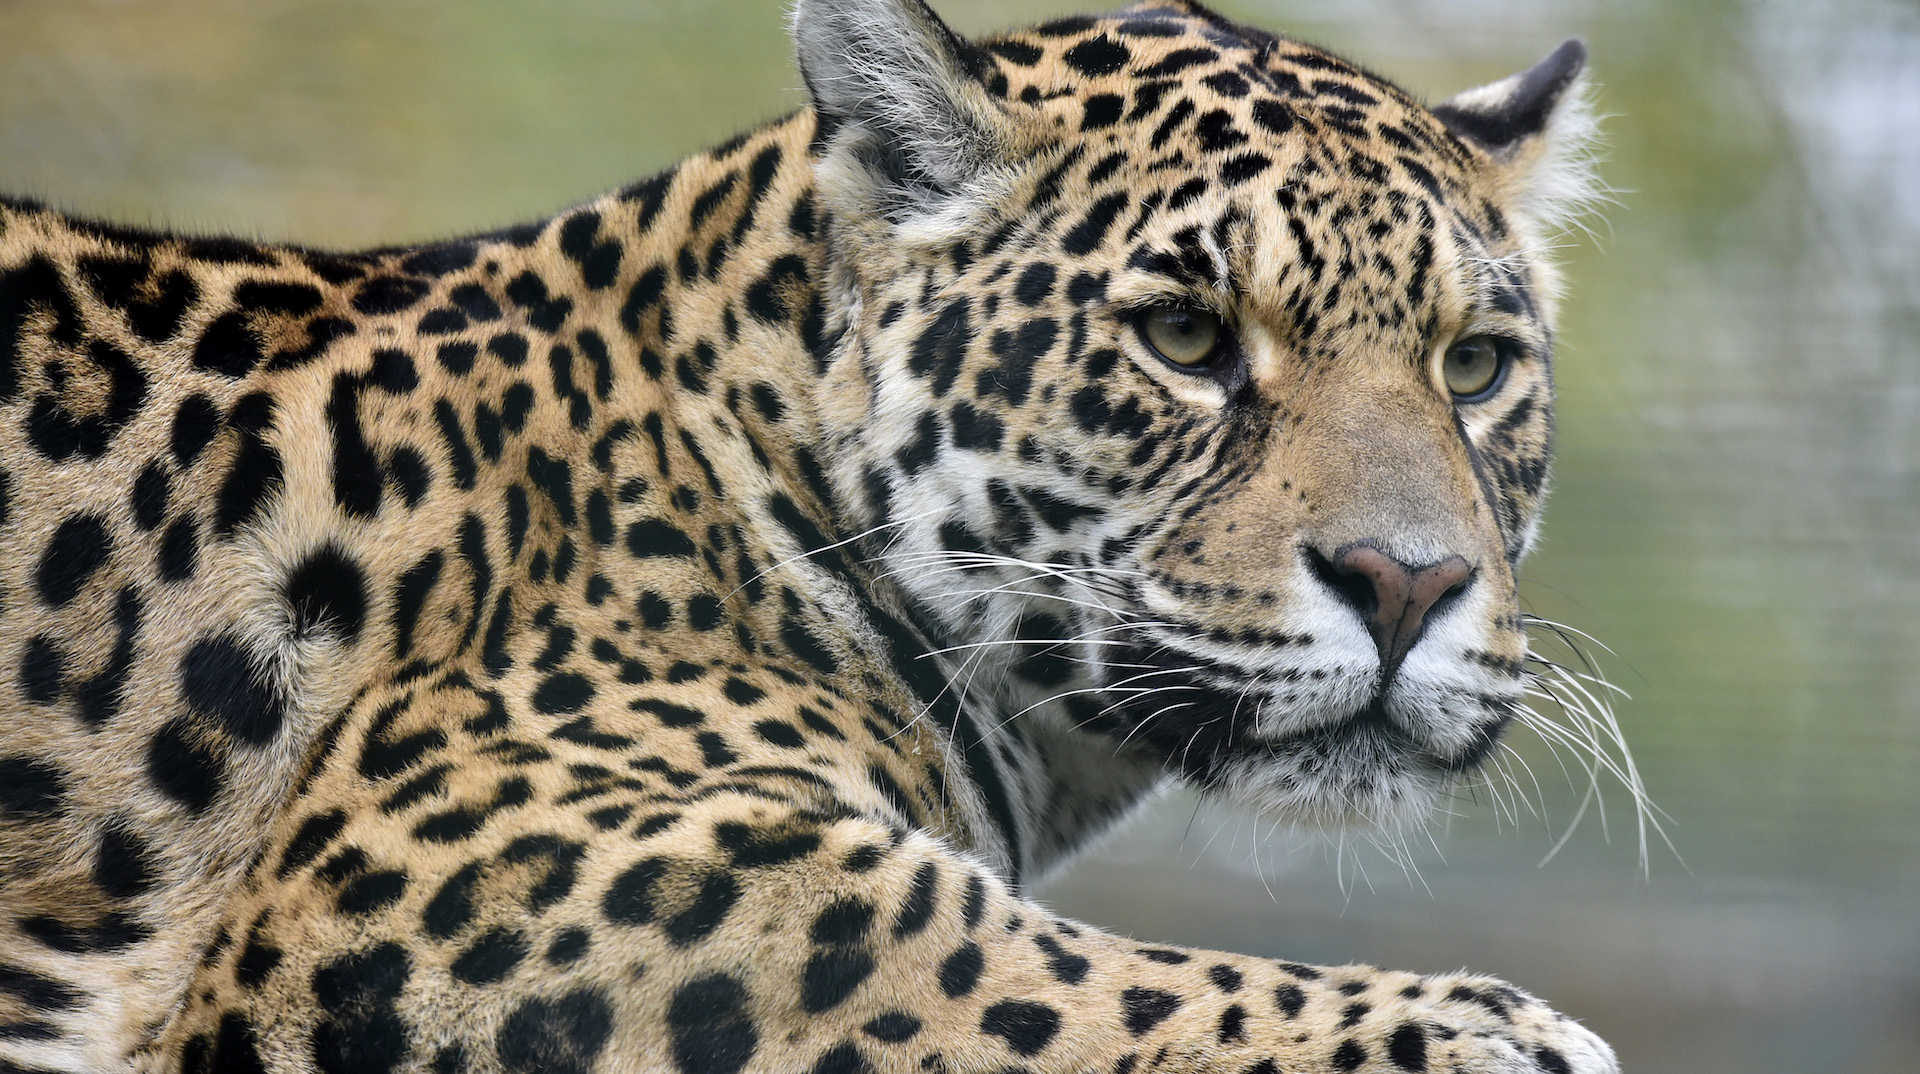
(669, 636)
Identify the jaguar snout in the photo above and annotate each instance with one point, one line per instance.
(1395, 599)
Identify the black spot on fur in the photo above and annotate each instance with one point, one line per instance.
(441, 259)
(179, 550)
(893, 1027)
(112, 932)
(960, 971)
(711, 1029)
(1092, 229)
(366, 892)
(1407, 1047)
(393, 372)
(806, 645)
(491, 957)
(410, 475)
(629, 899)
(153, 310)
(255, 476)
(227, 251)
(123, 865)
(183, 768)
(1065, 966)
(361, 1030)
(383, 295)
(1035, 283)
(599, 262)
(569, 946)
(1276, 117)
(474, 301)
(558, 1036)
(510, 347)
(221, 681)
(718, 893)
(778, 733)
(271, 296)
(1100, 55)
(1179, 60)
(1146, 1008)
(771, 298)
(1102, 110)
(1019, 53)
(975, 429)
(258, 959)
(410, 596)
(43, 670)
(194, 425)
(653, 537)
(151, 492)
(99, 698)
(77, 548)
(30, 787)
(228, 347)
(562, 692)
(40, 993)
(545, 312)
(916, 454)
(328, 591)
(234, 1049)
(457, 357)
(753, 848)
(1233, 1025)
(315, 834)
(459, 452)
(1244, 167)
(1026, 1026)
(451, 909)
(940, 350)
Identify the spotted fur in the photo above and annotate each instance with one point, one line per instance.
(670, 635)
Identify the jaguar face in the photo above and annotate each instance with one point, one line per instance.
(1202, 416)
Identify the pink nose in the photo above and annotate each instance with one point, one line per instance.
(1391, 596)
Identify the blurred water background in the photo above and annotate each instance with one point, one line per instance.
(1738, 504)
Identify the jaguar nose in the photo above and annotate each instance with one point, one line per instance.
(1393, 598)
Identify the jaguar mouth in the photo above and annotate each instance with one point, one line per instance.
(1375, 730)
(1206, 720)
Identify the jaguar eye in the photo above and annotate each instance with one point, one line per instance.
(1187, 338)
(1474, 367)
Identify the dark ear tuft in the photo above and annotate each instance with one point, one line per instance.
(1506, 114)
(895, 87)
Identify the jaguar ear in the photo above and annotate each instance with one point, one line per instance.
(1504, 115)
(901, 94)
(1539, 128)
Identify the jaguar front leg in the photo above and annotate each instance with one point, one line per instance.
(881, 950)
(725, 932)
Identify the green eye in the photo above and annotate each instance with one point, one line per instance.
(1474, 367)
(1185, 337)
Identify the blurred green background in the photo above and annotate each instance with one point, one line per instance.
(1738, 504)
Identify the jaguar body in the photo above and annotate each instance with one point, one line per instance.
(673, 635)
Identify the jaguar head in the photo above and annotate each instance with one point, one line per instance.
(1196, 385)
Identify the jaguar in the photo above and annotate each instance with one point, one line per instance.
(677, 634)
